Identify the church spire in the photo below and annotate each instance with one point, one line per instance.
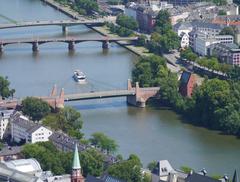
(76, 161)
(235, 177)
(76, 168)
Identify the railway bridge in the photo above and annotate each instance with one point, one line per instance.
(69, 40)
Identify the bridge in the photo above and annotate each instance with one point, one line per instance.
(63, 23)
(69, 40)
(136, 96)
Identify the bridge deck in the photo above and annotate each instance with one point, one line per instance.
(52, 22)
(102, 94)
(67, 39)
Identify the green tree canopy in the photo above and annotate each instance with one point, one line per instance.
(228, 31)
(67, 120)
(92, 162)
(35, 108)
(149, 70)
(163, 22)
(127, 22)
(89, 6)
(102, 141)
(128, 170)
(5, 91)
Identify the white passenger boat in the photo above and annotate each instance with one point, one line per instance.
(79, 76)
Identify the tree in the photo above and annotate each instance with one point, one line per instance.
(102, 141)
(92, 162)
(67, 119)
(49, 157)
(149, 70)
(227, 31)
(163, 22)
(234, 73)
(222, 12)
(128, 170)
(5, 91)
(188, 54)
(152, 165)
(186, 169)
(89, 6)
(35, 108)
(127, 22)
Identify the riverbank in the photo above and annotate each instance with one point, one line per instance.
(140, 51)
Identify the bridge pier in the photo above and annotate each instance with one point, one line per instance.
(135, 100)
(35, 47)
(71, 46)
(1, 48)
(105, 44)
(64, 29)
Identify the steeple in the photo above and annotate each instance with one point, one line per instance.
(235, 177)
(76, 161)
(76, 168)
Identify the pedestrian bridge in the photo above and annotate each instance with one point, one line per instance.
(62, 23)
(136, 96)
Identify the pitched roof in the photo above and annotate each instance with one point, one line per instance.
(195, 177)
(10, 150)
(185, 77)
(22, 121)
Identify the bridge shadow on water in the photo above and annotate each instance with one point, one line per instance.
(101, 105)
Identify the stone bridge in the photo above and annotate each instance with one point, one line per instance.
(136, 96)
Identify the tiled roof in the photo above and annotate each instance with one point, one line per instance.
(195, 177)
(10, 150)
(69, 142)
(20, 120)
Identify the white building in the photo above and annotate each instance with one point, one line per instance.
(22, 129)
(184, 40)
(203, 42)
(4, 120)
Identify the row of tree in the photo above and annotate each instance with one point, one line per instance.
(84, 7)
(119, 30)
(208, 62)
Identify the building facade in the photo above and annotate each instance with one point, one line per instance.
(227, 53)
(4, 121)
(24, 130)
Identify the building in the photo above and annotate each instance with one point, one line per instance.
(24, 130)
(145, 14)
(29, 166)
(10, 153)
(196, 177)
(187, 84)
(76, 175)
(184, 40)
(66, 143)
(4, 120)
(226, 53)
(203, 42)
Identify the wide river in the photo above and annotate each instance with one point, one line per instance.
(153, 134)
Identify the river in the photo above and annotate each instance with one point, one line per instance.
(153, 134)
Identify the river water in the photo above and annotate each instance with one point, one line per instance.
(153, 134)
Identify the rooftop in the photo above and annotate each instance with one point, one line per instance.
(10, 150)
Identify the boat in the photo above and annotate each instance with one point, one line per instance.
(79, 76)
